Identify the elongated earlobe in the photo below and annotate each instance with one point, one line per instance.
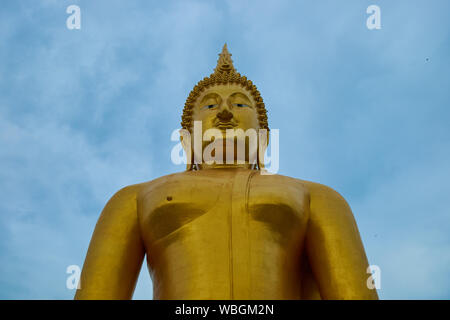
(260, 162)
(263, 139)
(190, 164)
(186, 142)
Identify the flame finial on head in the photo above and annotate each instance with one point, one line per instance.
(224, 73)
(224, 64)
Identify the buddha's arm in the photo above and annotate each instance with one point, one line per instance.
(334, 247)
(116, 251)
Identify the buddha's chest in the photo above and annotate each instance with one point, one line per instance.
(223, 206)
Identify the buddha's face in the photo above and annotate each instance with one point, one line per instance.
(227, 106)
(228, 117)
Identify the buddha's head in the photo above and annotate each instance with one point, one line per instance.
(224, 100)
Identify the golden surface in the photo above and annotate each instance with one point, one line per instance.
(227, 231)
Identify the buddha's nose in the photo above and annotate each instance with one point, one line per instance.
(225, 115)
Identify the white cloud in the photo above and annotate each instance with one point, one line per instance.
(84, 113)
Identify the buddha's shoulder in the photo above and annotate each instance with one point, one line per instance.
(314, 189)
(173, 179)
(185, 178)
(320, 193)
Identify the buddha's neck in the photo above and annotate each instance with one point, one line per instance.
(230, 166)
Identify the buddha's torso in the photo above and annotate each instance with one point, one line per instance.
(224, 234)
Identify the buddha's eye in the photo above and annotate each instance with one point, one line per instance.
(241, 105)
(209, 106)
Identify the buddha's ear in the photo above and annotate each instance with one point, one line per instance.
(185, 139)
(264, 137)
(186, 142)
(263, 142)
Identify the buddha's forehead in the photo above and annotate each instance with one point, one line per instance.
(225, 90)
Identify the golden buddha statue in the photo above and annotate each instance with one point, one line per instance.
(226, 230)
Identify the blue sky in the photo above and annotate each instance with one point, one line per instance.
(86, 112)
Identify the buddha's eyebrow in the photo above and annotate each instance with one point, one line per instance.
(209, 96)
(242, 96)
